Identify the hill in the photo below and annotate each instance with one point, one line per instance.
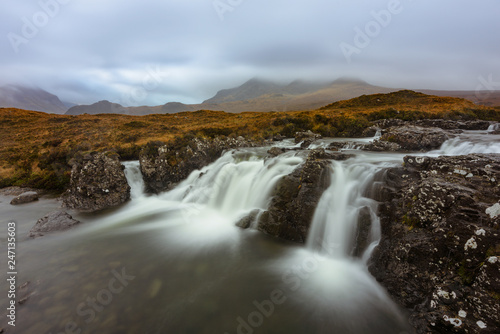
(255, 95)
(12, 96)
(37, 147)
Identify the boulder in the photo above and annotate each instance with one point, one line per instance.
(163, 167)
(26, 197)
(444, 124)
(381, 146)
(295, 197)
(275, 151)
(306, 137)
(97, 183)
(409, 138)
(370, 131)
(439, 256)
(52, 222)
(247, 220)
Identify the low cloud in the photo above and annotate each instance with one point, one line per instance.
(89, 51)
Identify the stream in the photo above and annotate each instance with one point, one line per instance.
(176, 263)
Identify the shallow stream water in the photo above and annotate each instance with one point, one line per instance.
(176, 262)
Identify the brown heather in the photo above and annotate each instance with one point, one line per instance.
(36, 148)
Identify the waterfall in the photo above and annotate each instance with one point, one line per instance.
(134, 178)
(494, 127)
(458, 146)
(236, 184)
(344, 213)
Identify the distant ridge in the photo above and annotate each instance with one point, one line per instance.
(12, 96)
(101, 107)
(255, 95)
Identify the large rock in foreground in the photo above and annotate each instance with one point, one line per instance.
(52, 222)
(97, 183)
(440, 248)
(296, 196)
(164, 166)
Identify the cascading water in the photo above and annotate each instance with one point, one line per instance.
(336, 217)
(194, 271)
(458, 146)
(205, 207)
(494, 127)
(134, 179)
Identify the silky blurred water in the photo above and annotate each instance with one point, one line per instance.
(186, 268)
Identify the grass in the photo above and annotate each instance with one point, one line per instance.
(36, 148)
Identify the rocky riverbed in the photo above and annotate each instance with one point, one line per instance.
(437, 246)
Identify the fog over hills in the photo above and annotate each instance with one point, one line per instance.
(254, 95)
(31, 99)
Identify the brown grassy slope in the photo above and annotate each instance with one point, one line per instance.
(35, 147)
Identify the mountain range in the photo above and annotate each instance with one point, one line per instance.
(253, 95)
(12, 96)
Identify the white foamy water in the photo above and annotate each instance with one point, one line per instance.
(195, 271)
(459, 146)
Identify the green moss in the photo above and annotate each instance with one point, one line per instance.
(467, 275)
(409, 221)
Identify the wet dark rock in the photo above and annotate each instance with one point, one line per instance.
(450, 125)
(26, 197)
(439, 256)
(444, 124)
(164, 168)
(381, 146)
(337, 146)
(275, 151)
(97, 183)
(52, 222)
(409, 138)
(306, 137)
(278, 137)
(370, 131)
(363, 231)
(246, 221)
(295, 198)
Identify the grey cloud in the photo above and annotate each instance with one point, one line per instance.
(93, 50)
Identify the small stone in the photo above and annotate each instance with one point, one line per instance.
(54, 221)
(27, 197)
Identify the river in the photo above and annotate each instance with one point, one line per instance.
(176, 262)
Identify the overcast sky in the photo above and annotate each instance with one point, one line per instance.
(152, 52)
